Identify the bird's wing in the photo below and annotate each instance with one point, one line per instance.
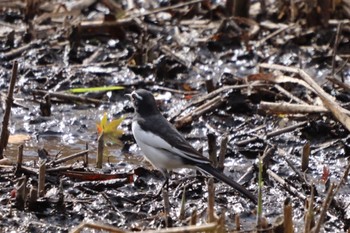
(171, 140)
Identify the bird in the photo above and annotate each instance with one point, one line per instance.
(165, 147)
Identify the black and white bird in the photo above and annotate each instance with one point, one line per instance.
(164, 146)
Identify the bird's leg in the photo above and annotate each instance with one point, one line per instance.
(165, 183)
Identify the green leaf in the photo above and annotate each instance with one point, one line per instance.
(95, 89)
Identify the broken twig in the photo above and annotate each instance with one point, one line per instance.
(337, 111)
(6, 118)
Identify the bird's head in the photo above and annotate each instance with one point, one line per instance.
(143, 102)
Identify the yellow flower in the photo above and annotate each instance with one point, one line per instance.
(110, 129)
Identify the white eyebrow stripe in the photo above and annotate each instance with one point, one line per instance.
(137, 95)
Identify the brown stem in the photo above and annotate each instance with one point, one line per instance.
(9, 100)
(100, 147)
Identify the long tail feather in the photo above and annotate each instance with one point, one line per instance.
(220, 176)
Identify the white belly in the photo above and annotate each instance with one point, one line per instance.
(156, 149)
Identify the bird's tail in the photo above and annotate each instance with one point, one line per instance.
(220, 176)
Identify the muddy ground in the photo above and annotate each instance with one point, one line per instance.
(214, 76)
